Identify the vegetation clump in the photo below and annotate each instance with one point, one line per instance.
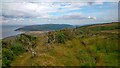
(13, 48)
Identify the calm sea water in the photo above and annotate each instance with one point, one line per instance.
(8, 30)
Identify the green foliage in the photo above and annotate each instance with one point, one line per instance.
(17, 48)
(27, 40)
(69, 34)
(8, 54)
(61, 38)
(101, 28)
(7, 57)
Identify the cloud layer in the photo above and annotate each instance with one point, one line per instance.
(20, 10)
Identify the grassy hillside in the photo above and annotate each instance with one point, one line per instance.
(95, 45)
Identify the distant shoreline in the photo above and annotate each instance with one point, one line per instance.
(26, 32)
(37, 32)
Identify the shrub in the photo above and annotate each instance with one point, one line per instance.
(17, 48)
(61, 38)
(7, 57)
(50, 37)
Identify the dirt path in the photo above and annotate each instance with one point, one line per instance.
(21, 60)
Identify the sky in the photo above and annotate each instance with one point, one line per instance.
(74, 12)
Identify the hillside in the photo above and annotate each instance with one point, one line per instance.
(93, 45)
(44, 27)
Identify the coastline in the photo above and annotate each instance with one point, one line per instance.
(26, 32)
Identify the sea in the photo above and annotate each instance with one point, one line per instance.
(9, 30)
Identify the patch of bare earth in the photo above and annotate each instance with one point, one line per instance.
(35, 32)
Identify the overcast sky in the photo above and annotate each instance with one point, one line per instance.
(29, 12)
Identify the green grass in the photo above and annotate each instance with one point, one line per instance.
(82, 47)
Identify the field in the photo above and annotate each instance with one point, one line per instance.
(93, 45)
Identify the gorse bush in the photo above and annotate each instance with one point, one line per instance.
(17, 48)
(27, 40)
(10, 53)
(61, 38)
(14, 49)
(7, 57)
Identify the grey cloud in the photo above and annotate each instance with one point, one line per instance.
(42, 10)
(72, 17)
(77, 16)
(26, 9)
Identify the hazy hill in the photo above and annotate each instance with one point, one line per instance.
(44, 27)
(94, 45)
